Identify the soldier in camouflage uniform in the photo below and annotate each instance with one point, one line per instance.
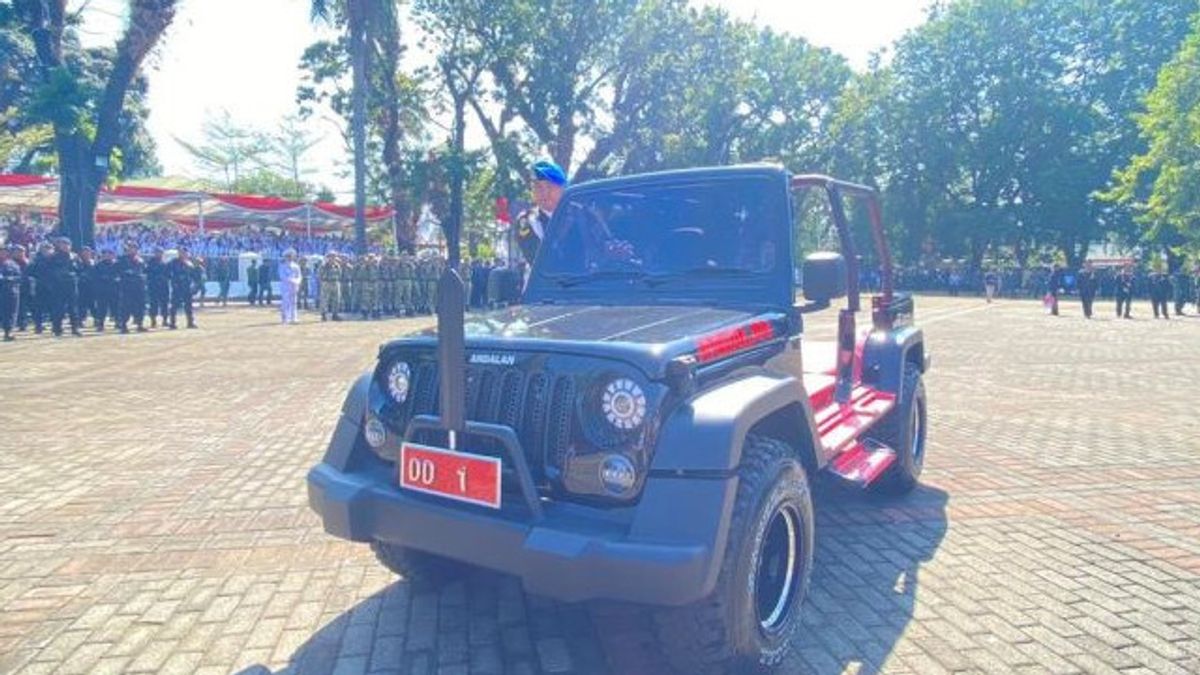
(330, 275)
(387, 285)
(406, 284)
(348, 269)
(464, 272)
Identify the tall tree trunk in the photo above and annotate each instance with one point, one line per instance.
(358, 63)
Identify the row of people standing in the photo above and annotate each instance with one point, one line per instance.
(1160, 286)
(59, 287)
(377, 285)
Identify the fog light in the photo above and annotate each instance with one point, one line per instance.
(375, 432)
(617, 474)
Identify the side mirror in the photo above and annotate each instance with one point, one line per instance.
(824, 277)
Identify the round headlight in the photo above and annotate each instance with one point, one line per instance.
(375, 432)
(398, 380)
(624, 404)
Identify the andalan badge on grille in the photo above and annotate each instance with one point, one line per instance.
(460, 476)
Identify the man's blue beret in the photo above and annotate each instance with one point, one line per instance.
(549, 171)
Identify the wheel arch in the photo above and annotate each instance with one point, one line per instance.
(707, 432)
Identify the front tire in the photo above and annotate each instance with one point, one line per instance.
(418, 567)
(749, 622)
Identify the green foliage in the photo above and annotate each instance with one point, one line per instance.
(1162, 184)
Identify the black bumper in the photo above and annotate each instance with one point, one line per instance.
(665, 558)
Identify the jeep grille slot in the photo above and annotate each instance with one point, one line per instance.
(540, 407)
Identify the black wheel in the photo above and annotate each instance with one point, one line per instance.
(748, 624)
(904, 430)
(417, 567)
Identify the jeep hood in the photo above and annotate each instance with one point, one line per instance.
(644, 336)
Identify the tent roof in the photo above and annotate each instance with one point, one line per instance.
(132, 203)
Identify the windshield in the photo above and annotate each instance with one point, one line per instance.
(663, 232)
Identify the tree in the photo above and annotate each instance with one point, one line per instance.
(1162, 184)
(228, 150)
(86, 121)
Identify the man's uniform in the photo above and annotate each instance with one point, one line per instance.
(331, 288)
(10, 296)
(85, 296)
(347, 282)
(105, 294)
(182, 274)
(62, 275)
(1085, 281)
(1124, 294)
(158, 287)
(131, 289)
(407, 274)
(1160, 292)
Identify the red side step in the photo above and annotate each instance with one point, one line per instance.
(863, 465)
(841, 428)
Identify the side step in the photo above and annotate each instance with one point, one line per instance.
(862, 465)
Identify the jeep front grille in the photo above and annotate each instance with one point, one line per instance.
(539, 407)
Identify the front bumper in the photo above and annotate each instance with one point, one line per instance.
(655, 560)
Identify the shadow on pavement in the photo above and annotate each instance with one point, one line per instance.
(864, 588)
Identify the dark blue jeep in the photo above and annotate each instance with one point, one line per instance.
(643, 427)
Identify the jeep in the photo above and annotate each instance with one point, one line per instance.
(645, 426)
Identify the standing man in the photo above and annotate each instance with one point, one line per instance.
(26, 299)
(182, 273)
(63, 275)
(549, 181)
(1160, 292)
(1183, 290)
(39, 285)
(331, 287)
(1124, 292)
(302, 290)
(1055, 287)
(131, 289)
(223, 275)
(86, 287)
(264, 283)
(200, 278)
(289, 287)
(252, 282)
(105, 293)
(159, 287)
(10, 293)
(990, 283)
(1087, 284)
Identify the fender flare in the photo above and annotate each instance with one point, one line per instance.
(706, 432)
(340, 452)
(886, 353)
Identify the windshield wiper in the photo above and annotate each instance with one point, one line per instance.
(703, 271)
(569, 280)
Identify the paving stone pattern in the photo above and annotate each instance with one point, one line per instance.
(153, 515)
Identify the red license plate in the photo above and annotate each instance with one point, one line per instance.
(474, 479)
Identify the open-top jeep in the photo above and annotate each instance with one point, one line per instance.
(644, 426)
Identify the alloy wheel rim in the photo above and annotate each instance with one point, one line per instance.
(776, 578)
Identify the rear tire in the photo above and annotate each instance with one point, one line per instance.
(418, 567)
(904, 430)
(749, 622)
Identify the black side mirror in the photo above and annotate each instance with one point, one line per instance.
(824, 277)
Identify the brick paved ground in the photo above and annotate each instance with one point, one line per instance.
(153, 516)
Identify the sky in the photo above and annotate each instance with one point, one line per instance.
(241, 56)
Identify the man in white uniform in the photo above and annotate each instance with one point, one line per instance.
(289, 286)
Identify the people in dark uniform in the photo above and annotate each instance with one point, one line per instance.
(131, 289)
(1055, 288)
(104, 289)
(264, 284)
(85, 298)
(252, 283)
(182, 273)
(1160, 292)
(158, 286)
(24, 312)
(1183, 290)
(200, 279)
(10, 293)
(1087, 284)
(62, 276)
(39, 285)
(223, 277)
(549, 181)
(1124, 292)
